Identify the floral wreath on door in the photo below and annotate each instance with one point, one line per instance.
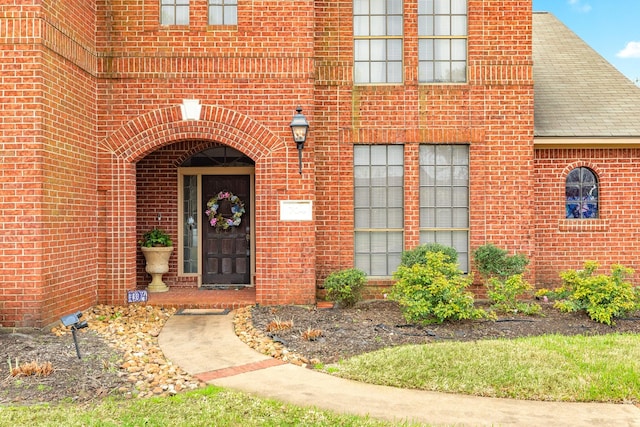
(219, 221)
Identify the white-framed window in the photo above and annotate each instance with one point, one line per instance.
(174, 12)
(442, 39)
(444, 198)
(379, 208)
(223, 12)
(377, 34)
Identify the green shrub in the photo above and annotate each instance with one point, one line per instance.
(434, 291)
(417, 255)
(345, 286)
(602, 297)
(492, 261)
(505, 295)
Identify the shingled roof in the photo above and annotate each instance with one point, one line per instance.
(577, 92)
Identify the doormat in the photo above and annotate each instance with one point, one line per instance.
(203, 312)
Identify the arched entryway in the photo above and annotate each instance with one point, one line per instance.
(128, 208)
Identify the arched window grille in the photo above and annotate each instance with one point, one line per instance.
(581, 190)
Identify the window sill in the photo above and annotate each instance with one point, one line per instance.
(583, 225)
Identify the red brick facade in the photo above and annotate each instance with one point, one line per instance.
(93, 137)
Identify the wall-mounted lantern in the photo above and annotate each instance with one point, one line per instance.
(299, 127)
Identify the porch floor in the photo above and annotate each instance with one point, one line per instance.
(203, 298)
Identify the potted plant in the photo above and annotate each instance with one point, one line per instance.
(156, 246)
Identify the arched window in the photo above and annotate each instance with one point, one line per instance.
(581, 191)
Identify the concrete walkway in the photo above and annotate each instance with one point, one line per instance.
(206, 347)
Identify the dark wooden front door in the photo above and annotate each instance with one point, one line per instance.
(226, 254)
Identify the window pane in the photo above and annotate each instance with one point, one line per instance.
(361, 72)
(395, 218)
(182, 15)
(394, 72)
(443, 196)
(362, 242)
(425, 6)
(458, 50)
(460, 217)
(427, 196)
(167, 15)
(377, 7)
(394, 7)
(394, 26)
(361, 155)
(442, 50)
(444, 218)
(361, 52)
(394, 52)
(378, 72)
(395, 176)
(441, 7)
(442, 25)
(395, 198)
(361, 218)
(458, 71)
(459, 7)
(361, 197)
(378, 218)
(361, 25)
(378, 27)
(360, 7)
(441, 72)
(362, 176)
(425, 25)
(460, 196)
(231, 15)
(427, 217)
(378, 196)
(458, 25)
(378, 49)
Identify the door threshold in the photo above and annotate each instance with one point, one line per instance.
(223, 287)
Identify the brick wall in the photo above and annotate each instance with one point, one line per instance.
(49, 162)
(563, 244)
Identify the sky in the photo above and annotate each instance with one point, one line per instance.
(611, 27)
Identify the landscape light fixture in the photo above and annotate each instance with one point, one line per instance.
(299, 127)
(73, 321)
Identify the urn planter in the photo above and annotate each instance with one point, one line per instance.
(157, 258)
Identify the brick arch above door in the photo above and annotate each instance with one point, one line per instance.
(158, 128)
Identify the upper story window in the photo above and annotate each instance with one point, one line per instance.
(442, 32)
(223, 12)
(174, 12)
(581, 191)
(377, 33)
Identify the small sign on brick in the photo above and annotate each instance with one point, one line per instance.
(137, 296)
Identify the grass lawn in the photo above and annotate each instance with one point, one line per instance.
(552, 367)
(211, 406)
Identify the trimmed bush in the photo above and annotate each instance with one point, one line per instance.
(504, 295)
(492, 261)
(434, 291)
(417, 255)
(602, 297)
(345, 286)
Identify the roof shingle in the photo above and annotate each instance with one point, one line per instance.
(577, 93)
